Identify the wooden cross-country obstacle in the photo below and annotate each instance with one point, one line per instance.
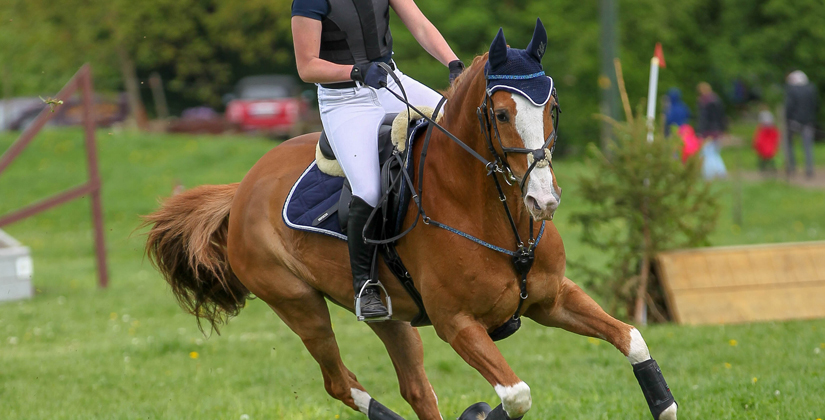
(745, 283)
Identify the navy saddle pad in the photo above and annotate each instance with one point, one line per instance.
(316, 193)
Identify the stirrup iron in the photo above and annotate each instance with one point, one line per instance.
(358, 302)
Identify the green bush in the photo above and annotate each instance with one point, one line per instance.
(642, 200)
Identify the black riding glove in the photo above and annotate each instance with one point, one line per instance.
(456, 67)
(370, 74)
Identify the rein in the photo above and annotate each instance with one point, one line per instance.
(524, 256)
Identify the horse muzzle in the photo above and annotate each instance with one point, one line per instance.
(542, 207)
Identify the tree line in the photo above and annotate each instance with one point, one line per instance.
(201, 47)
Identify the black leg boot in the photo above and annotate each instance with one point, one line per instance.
(361, 257)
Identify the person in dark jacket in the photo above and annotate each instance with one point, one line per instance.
(712, 122)
(677, 113)
(800, 114)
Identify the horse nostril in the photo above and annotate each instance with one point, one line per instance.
(533, 202)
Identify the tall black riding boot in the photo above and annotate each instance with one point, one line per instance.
(361, 258)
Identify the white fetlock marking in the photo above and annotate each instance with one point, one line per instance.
(669, 413)
(362, 400)
(638, 348)
(515, 399)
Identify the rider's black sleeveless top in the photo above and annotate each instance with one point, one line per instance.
(353, 31)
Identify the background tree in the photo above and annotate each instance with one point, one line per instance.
(202, 47)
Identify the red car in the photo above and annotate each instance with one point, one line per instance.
(269, 104)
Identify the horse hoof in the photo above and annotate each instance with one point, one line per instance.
(477, 411)
(669, 413)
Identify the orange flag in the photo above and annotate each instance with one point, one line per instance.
(658, 53)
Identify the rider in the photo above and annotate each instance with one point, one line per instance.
(338, 44)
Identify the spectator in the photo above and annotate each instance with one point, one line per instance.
(711, 126)
(766, 141)
(678, 113)
(712, 122)
(800, 114)
(690, 143)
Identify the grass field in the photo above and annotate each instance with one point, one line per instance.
(128, 352)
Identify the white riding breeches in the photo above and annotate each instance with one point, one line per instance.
(351, 119)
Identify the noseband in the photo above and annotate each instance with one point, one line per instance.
(487, 120)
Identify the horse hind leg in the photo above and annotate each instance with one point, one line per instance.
(574, 311)
(304, 310)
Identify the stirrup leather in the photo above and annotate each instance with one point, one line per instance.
(358, 302)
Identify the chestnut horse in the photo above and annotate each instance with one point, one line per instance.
(216, 244)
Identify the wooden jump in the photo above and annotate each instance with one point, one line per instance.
(745, 283)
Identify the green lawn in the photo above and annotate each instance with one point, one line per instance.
(76, 352)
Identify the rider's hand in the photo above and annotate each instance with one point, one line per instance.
(456, 67)
(370, 74)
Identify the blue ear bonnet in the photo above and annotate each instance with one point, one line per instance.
(519, 71)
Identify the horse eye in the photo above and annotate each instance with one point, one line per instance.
(502, 117)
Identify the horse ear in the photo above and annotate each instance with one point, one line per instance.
(538, 44)
(498, 50)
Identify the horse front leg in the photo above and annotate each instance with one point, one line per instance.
(574, 311)
(474, 345)
(406, 351)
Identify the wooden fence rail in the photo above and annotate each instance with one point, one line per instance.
(82, 80)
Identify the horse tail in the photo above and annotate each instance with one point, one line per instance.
(187, 244)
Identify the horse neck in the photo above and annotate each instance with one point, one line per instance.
(456, 184)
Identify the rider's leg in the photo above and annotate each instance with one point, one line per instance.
(361, 256)
(351, 118)
(575, 311)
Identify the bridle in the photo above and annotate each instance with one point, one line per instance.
(487, 119)
(524, 256)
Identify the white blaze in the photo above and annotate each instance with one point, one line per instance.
(530, 126)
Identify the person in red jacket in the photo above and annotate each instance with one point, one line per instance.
(766, 141)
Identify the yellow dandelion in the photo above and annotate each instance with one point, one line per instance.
(594, 341)
(727, 365)
(337, 416)
(754, 379)
(733, 343)
(194, 355)
(822, 345)
(113, 316)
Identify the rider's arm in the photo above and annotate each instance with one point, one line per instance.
(306, 37)
(423, 30)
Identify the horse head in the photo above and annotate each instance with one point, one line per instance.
(521, 109)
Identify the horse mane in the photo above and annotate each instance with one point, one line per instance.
(462, 83)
